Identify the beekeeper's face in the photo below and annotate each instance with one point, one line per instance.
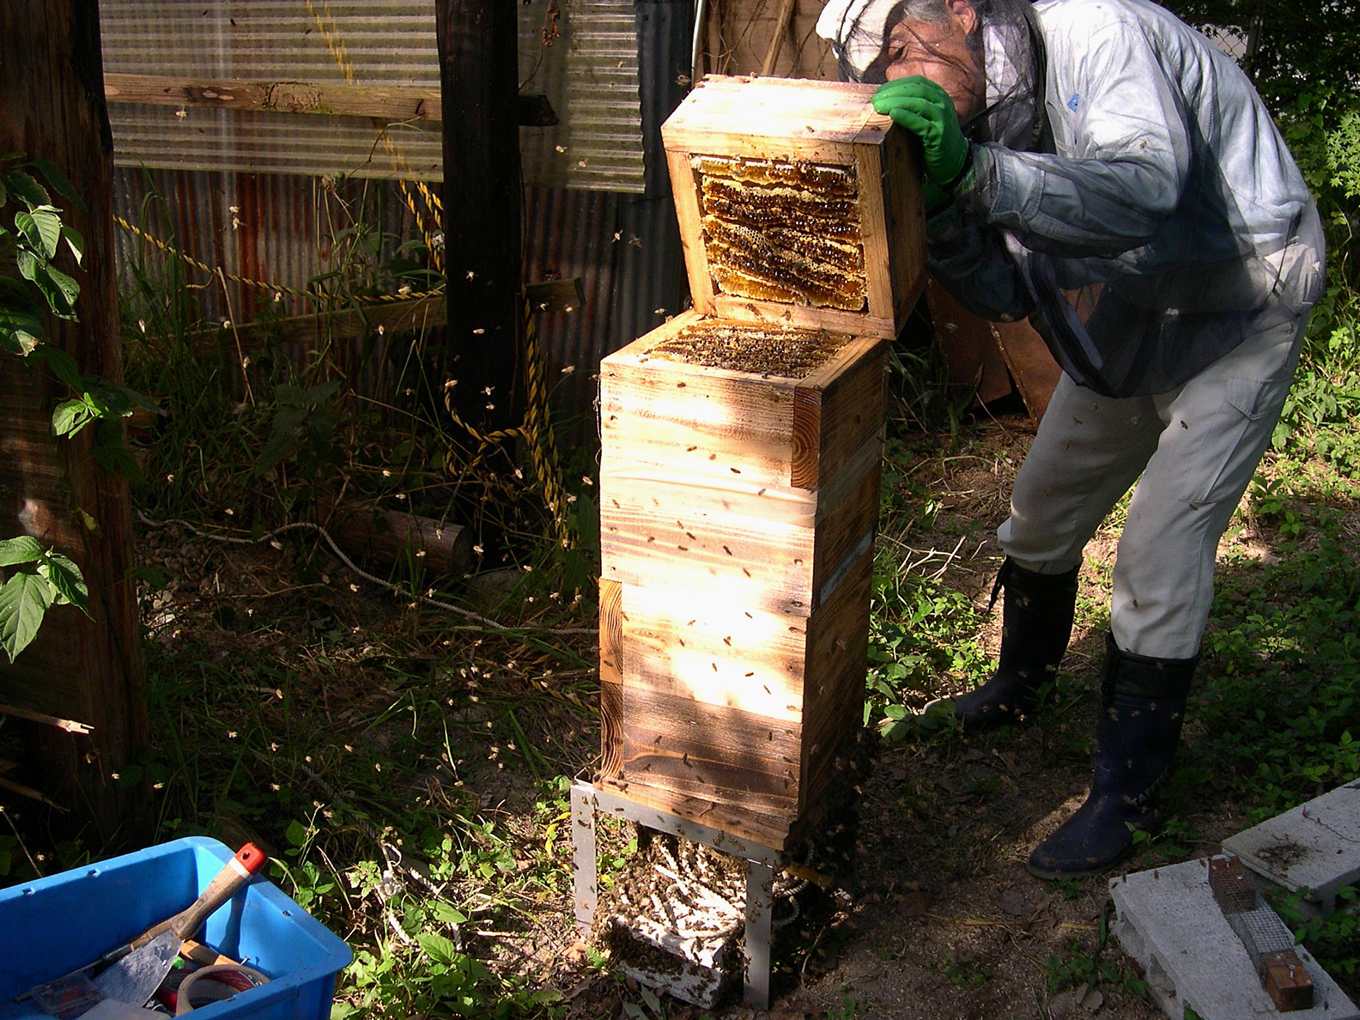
(943, 52)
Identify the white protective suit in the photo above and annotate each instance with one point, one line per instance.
(1164, 243)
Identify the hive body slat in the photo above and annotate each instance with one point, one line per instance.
(738, 509)
(734, 603)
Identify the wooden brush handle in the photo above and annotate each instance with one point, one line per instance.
(248, 860)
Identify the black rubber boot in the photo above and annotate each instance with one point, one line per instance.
(1143, 702)
(1035, 626)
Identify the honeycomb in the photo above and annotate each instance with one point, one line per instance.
(783, 231)
(767, 351)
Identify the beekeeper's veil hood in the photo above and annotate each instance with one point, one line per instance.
(1006, 47)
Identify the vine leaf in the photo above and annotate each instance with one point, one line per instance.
(70, 417)
(24, 601)
(23, 549)
(41, 228)
(68, 582)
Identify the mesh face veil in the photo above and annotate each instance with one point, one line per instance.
(1001, 60)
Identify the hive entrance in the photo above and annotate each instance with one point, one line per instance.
(784, 231)
(787, 353)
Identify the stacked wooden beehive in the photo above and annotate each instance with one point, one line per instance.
(742, 440)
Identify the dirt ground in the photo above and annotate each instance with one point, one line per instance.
(937, 918)
(944, 921)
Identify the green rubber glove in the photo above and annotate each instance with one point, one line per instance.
(925, 109)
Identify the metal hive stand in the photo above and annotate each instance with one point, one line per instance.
(587, 800)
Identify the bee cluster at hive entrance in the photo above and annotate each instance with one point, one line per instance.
(789, 231)
(763, 350)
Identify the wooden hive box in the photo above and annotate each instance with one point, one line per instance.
(798, 205)
(738, 512)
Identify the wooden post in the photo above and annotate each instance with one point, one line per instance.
(88, 670)
(478, 71)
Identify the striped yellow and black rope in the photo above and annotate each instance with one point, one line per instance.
(262, 285)
(330, 33)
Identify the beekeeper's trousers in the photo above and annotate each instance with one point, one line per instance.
(1195, 448)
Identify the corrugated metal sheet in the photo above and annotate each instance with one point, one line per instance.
(624, 246)
(275, 228)
(589, 73)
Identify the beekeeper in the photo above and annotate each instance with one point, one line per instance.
(1101, 167)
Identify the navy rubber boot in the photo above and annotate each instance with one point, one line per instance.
(1036, 624)
(1143, 702)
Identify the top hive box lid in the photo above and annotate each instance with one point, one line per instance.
(740, 113)
(798, 205)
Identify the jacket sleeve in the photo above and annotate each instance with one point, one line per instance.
(972, 262)
(1130, 164)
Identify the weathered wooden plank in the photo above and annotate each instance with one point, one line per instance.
(384, 102)
(801, 316)
(723, 755)
(1031, 364)
(654, 535)
(966, 341)
(611, 678)
(685, 189)
(715, 651)
(407, 103)
(764, 830)
(700, 424)
(847, 529)
(906, 223)
(837, 664)
(786, 110)
(874, 229)
(849, 398)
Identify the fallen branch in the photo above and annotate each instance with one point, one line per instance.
(478, 618)
(69, 725)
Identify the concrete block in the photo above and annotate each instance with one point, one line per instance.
(1167, 920)
(1313, 849)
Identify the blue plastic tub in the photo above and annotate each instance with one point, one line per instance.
(54, 925)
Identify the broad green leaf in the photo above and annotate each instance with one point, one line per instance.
(24, 601)
(70, 417)
(4, 194)
(41, 228)
(67, 581)
(66, 286)
(19, 550)
(29, 190)
(60, 184)
(29, 266)
(296, 833)
(447, 914)
(75, 241)
(438, 948)
(48, 222)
